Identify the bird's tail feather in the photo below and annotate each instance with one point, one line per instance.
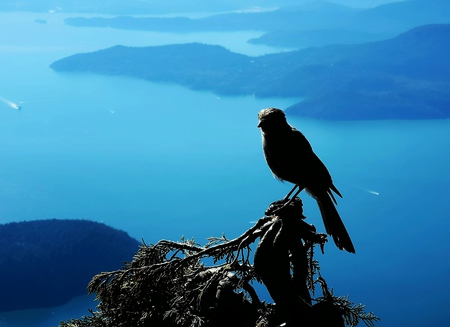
(335, 190)
(333, 223)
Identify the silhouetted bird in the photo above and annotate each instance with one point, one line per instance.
(291, 158)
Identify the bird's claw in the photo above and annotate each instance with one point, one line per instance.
(293, 206)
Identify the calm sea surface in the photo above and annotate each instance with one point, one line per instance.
(160, 161)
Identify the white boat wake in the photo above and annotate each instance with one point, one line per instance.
(11, 104)
(368, 191)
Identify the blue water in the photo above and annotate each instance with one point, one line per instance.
(160, 161)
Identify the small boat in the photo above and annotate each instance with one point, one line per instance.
(16, 106)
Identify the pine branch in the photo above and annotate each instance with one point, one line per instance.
(168, 284)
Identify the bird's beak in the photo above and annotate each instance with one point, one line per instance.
(259, 124)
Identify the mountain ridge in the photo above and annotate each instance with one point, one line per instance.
(410, 66)
(297, 26)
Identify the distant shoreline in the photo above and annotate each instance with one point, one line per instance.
(406, 77)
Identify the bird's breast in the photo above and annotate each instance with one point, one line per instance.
(282, 159)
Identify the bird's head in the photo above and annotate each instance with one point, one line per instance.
(271, 118)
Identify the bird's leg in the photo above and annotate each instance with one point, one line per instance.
(286, 201)
(290, 192)
(295, 195)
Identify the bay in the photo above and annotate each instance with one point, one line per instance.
(160, 161)
(125, 152)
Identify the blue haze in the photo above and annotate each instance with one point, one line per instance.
(160, 161)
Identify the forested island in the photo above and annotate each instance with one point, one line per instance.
(406, 77)
(46, 263)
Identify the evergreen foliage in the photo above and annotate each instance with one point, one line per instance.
(184, 284)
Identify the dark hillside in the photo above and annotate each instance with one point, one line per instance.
(401, 16)
(54, 260)
(404, 77)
